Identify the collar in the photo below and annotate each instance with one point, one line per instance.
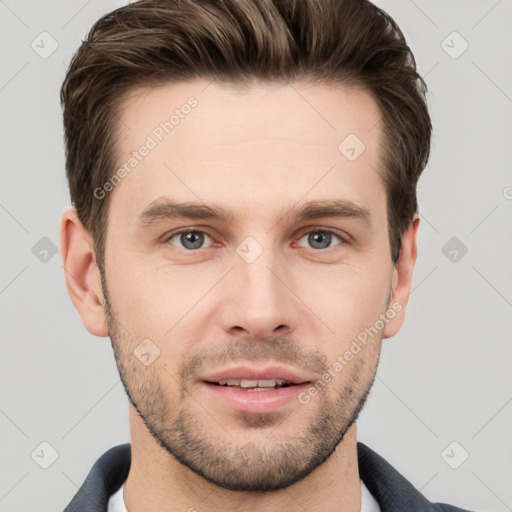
(391, 490)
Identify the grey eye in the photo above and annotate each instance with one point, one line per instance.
(190, 239)
(320, 239)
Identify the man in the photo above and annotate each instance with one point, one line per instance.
(243, 175)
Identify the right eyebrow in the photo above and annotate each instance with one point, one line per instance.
(164, 208)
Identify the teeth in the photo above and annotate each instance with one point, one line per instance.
(245, 383)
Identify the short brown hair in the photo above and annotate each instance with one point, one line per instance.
(346, 42)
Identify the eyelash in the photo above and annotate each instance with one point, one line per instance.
(343, 240)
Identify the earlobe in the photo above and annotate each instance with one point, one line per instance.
(82, 275)
(402, 280)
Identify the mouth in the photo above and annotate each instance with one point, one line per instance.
(248, 378)
(255, 390)
(254, 385)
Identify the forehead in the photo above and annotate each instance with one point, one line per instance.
(253, 148)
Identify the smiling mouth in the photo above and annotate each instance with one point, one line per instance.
(254, 385)
(254, 391)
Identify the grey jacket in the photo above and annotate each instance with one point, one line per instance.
(391, 490)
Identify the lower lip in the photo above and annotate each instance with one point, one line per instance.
(268, 400)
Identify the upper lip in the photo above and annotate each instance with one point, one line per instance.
(266, 373)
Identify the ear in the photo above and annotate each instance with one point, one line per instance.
(402, 279)
(82, 275)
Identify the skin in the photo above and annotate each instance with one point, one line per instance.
(258, 153)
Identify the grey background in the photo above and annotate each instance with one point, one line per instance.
(445, 377)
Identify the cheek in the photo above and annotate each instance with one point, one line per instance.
(162, 304)
(346, 299)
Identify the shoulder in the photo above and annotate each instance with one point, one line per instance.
(393, 492)
(104, 479)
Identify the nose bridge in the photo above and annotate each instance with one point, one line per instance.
(260, 301)
(258, 276)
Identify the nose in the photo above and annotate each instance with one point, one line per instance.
(259, 300)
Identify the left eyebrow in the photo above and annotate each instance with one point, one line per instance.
(165, 208)
(334, 208)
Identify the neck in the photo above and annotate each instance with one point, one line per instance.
(157, 482)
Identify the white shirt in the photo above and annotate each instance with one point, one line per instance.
(368, 502)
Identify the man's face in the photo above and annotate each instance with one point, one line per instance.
(260, 295)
